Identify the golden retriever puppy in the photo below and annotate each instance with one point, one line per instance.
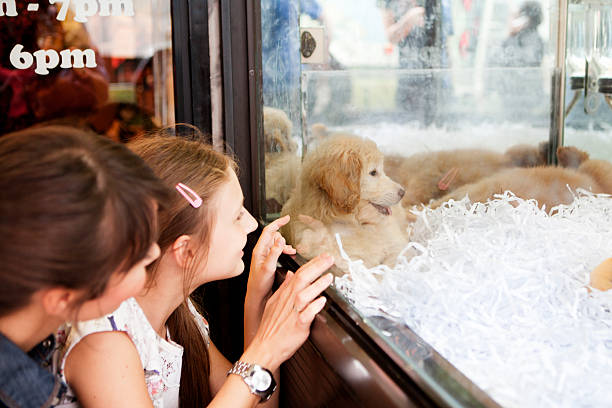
(549, 185)
(343, 189)
(431, 175)
(282, 162)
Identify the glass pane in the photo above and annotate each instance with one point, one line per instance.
(589, 55)
(281, 95)
(404, 109)
(100, 65)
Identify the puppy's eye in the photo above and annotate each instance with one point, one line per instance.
(373, 173)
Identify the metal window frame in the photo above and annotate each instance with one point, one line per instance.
(242, 95)
(191, 64)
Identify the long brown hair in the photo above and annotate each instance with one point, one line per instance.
(75, 208)
(191, 162)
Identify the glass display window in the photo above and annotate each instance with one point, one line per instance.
(589, 66)
(454, 157)
(100, 65)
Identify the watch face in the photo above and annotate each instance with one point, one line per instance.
(261, 380)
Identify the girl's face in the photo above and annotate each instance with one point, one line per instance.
(232, 223)
(121, 286)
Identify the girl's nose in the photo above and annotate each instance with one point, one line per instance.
(251, 222)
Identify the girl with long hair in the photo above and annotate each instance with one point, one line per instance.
(155, 349)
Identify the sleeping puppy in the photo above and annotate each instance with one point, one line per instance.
(343, 189)
(431, 175)
(282, 162)
(549, 185)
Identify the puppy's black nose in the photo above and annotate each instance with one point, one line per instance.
(401, 193)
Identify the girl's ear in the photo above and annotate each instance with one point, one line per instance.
(58, 301)
(181, 250)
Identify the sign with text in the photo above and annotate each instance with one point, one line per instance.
(46, 59)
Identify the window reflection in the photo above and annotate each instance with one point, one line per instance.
(125, 89)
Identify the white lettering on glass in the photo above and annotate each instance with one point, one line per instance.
(78, 58)
(61, 14)
(84, 9)
(114, 7)
(10, 6)
(49, 59)
(45, 59)
(19, 59)
(88, 8)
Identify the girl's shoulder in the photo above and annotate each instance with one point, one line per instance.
(160, 359)
(128, 318)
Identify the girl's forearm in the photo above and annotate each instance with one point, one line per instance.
(253, 311)
(234, 393)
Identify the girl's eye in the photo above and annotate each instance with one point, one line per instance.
(373, 173)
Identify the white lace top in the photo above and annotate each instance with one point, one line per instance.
(161, 359)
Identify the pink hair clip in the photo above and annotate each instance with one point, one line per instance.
(195, 200)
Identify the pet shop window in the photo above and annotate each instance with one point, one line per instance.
(96, 64)
(491, 301)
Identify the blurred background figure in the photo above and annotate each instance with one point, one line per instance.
(522, 49)
(420, 32)
(524, 46)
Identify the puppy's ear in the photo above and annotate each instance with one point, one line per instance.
(571, 157)
(340, 179)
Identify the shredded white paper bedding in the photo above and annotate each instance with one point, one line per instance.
(499, 291)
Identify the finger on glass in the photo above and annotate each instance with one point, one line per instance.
(312, 270)
(269, 233)
(307, 315)
(306, 295)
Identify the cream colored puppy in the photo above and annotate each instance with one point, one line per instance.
(343, 189)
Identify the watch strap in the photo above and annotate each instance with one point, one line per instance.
(245, 370)
(240, 368)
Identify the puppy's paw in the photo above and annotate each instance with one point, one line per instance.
(315, 238)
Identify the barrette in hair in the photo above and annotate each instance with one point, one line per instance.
(191, 196)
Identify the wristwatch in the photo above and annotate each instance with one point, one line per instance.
(259, 380)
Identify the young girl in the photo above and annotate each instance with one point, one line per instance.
(77, 229)
(134, 357)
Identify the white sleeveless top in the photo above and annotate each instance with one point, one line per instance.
(161, 359)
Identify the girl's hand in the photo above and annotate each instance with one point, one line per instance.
(269, 247)
(288, 314)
